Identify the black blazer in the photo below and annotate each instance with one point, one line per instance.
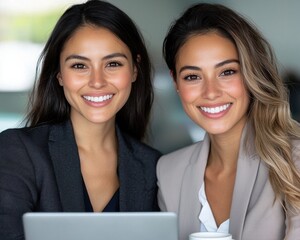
(40, 172)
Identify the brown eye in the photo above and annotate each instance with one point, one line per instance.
(228, 72)
(191, 77)
(78, 66)
(114, 64)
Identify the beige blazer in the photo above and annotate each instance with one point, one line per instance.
(254, 215)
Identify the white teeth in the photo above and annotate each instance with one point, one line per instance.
(215, 109)
(98, 99)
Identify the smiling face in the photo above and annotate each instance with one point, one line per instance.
(210, 83)
(96, 73)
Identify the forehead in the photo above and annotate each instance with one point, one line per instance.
(206, 46)
(91, 38)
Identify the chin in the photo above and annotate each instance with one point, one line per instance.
(215, 130)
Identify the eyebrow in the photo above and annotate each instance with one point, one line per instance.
(216, 66)
(115, 55)
(79, 57)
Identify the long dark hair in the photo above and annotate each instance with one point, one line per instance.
(47, 101)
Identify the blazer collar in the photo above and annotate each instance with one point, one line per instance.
(192, 181)
(132, 179)
(65, 157)
(64, 154)
(247, 169)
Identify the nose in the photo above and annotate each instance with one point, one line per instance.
(97, 79)
(211, 89)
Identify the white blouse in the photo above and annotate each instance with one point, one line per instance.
(206, 217)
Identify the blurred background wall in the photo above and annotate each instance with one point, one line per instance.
(26, 24)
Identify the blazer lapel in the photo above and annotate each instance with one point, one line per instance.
(64, 154)
(192, 181)
(130, 174)
(247, 169)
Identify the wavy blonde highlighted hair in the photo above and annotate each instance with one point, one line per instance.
(269, 110)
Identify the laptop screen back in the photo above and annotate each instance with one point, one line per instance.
(101, 226)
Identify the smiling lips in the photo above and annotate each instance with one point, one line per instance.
(215, 110)
(98, 99)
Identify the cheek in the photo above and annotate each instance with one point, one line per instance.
(188, 94)
(238, 90)
(70, 80)
(123, 80)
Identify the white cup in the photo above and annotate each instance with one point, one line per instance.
(210, 236)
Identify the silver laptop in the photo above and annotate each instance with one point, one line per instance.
(101, 226)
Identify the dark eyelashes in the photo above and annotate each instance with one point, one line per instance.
(78, 66)
(224, 73)
(191, 77)
(114, 64)
(110, 64)
(228, 72)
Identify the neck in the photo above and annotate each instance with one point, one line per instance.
(95, 137)
(224, 149)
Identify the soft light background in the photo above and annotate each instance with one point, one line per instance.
(26, 24)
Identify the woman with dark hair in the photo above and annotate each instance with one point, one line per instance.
(82, 148)
(243, 177)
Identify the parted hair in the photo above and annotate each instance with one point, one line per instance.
(47, 101)
(269, 110)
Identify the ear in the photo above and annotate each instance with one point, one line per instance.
(135, 68)
(59, 78)
(174, 80)
(135, 73)
(176, 86)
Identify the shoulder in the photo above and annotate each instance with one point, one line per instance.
(177, 160)
(180, 155)
(136, 147)
(41, 133)
(20, 145)
(141, 148)
(25, 133)
(22, 150)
